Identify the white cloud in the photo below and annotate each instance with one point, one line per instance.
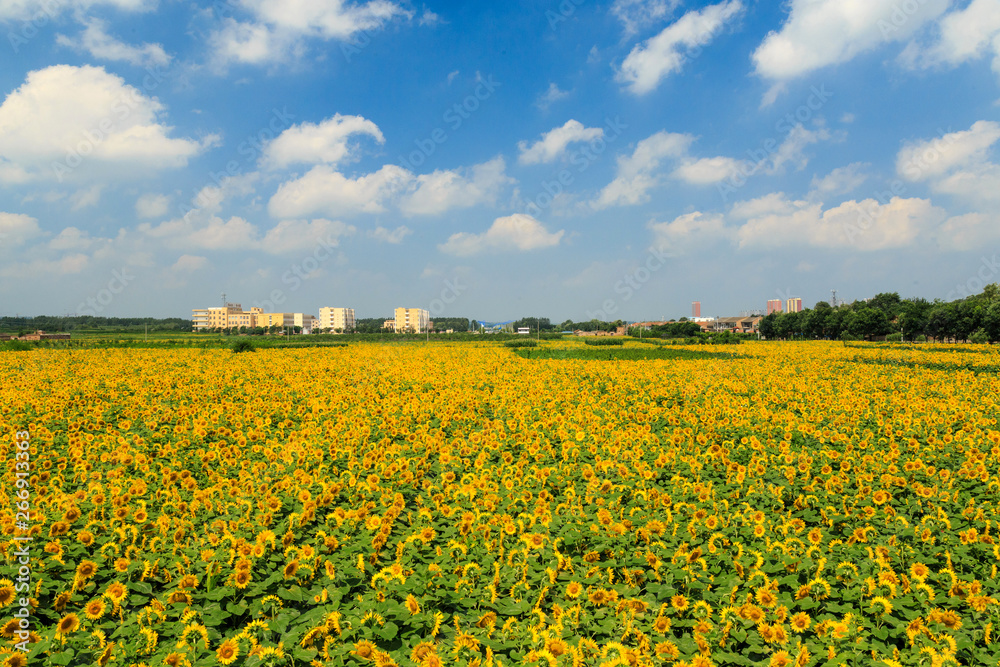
(302, 235)
(394, 236)
(636, 173)
(840, 181)
(323, 190)
(211, 232)
(16, 229)
(211, 197)
(553, 143)
(96, 41)
(828, 32)
(862, 225)
(86, 198)
(957, 163)
(67, 116)
(664, 54)
(552, 94)
(279, 26)
(429, 18)
(636, 15)
(706, 171)
(323, 143)
(964, 34)
(792, 149)
(19, 10)
(152, 205)
(39, 269)
(443, 190)
(71, 238)
(189, 264)
(688, 231)
(514, 232)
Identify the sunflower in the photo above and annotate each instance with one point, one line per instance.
(116, 592)
(61, 600)
(85, 570)
(7, 629)
(121, 564)
(573, 589)
(800, 622)
(7, 594)
(175, 660)
(679, 602)
(227, 652)
(421, 652)
(662, 624)
(68, 624)
(242, 579)
(85, 537)
(668, 651)
(556, 647)
(886, 606)
(291, 569)
(188, 581)
(16, 660)
(412, 605)
(919, 571)
(364, 649)
(105, 657)
(94, 609)
(780, 659)
(598, 597)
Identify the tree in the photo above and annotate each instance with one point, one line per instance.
(768, 326)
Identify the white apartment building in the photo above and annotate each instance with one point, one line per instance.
(334, 319)
(412, 320)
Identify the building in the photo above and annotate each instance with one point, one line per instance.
(793, 305)
(232, 316)
(336, 319)
(523, 331)
(412, 320)
(389, 325)
(773, 306)
(41, 335)
(696, 309)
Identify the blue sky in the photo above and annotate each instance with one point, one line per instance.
(570, 159)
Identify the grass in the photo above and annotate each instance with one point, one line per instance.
(620, 354)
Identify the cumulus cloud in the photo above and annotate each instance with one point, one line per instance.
(21, 10)
(444, 190)
(394, 236)
(189, 264)
(553, 143)
(551, 95)
(209, 232)
(965, 34)
(637, 173)
(840, 181)
(277, 27)
(63, 116)
(516, 232)
(706, 171)
(96, 41)
(16, 229)
(326, 191)
(324, 143)
(957, 163)
(862, 225)
(688, 231)
(818, 33)
(656, 58)
(636, 15)
(152, 205)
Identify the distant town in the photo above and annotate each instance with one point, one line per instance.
(232, 317)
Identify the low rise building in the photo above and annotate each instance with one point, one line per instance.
(336, 319)
(412, 320)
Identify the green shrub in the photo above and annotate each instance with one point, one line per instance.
(18, 346)
(616, 342)
(979, 337)
(894, 338)
(521, 343)
(242, 346)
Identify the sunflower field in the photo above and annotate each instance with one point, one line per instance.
(461, 504)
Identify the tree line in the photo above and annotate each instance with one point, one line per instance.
(974, 319)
